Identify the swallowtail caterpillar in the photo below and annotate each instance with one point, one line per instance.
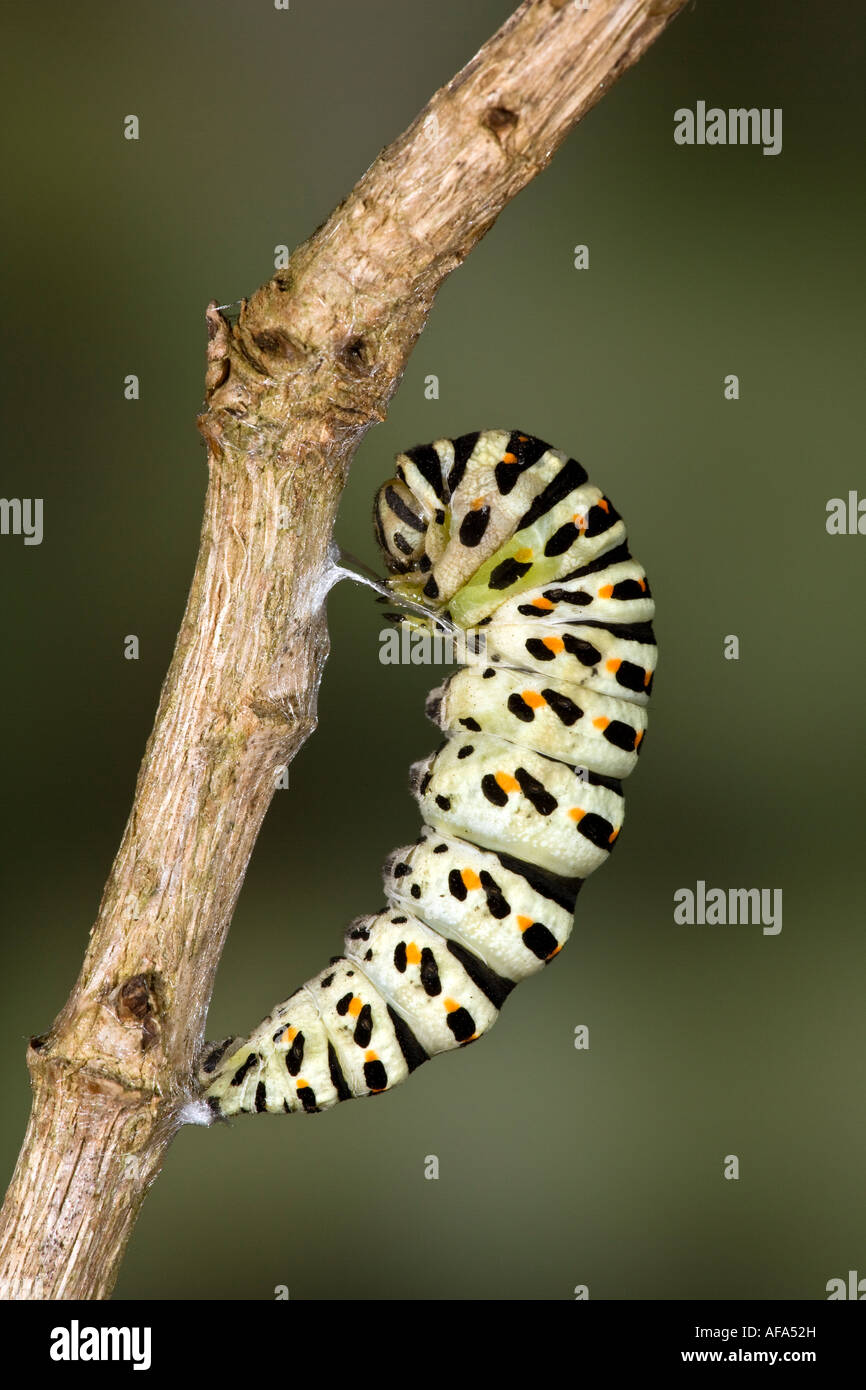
(498, 533)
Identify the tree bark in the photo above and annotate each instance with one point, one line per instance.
(292, 387)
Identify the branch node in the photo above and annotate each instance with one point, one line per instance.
(500, 121)
(136, 1003)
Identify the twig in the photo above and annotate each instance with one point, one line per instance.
(292, 387)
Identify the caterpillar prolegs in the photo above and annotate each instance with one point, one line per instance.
(499, 533)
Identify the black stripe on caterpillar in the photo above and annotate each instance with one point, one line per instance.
(494, 531)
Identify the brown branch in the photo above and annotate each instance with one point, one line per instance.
(291, 389)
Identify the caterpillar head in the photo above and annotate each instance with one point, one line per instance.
(400, 530)
(466, 522)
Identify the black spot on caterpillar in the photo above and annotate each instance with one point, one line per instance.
(522, 801)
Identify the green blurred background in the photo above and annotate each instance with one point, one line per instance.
(558, 1167)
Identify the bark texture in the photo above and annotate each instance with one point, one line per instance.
(292, 387)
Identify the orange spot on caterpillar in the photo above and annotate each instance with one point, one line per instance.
(601, 723)
(470, 879)
(642, 583)
(507, 782)
(289, 1035)
(606, 591)
(302, 1085)
(509, 458)
(544, 603)
(614, 664)
(647, 677)
(612, 837)
(523, 438)
(450, 1005)
(524, 923)
(579, 521)
(603, 503)
(532, 698)
(524, 555)
(637, 738)
(553, 644)
(555, 952)
(355, 1006)
(476, 503)
(576, 813)
(413, 955)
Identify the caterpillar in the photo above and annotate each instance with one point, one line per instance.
(497, 535)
